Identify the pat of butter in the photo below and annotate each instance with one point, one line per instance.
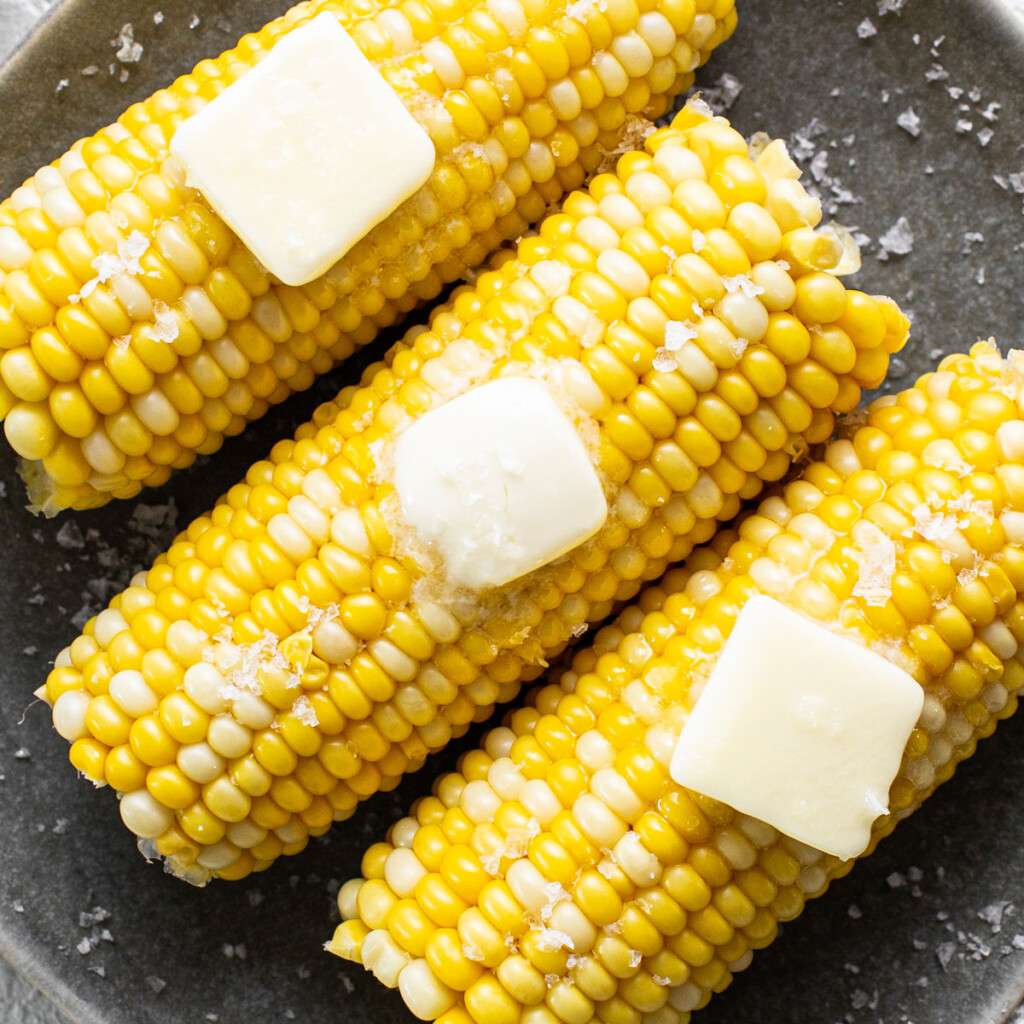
(305, 153)
(498, 482)
(799, 727)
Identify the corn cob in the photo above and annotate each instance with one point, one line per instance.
(561, 875)
(137, 331)
(288, 656)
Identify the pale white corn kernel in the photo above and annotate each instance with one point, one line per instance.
(185, 642)
(47, 178)
(565, 99)
(842, 457)
(496, 155)
(498, 742)
(593, 750)
(436, 685)
(291, 832)
(811, 528)
(686, 997)
(101, 453)
(539, 161)
(678, 163)
(25, 198)
(333, 642)
(624, 272)
(132, 295)
(205, 686)
(705, 497)
(228, 737)
(144, 815)
(290, 537)
(743, 315)
(568, 918)
(505, 779)
(156, 412)
(657, 33)
(1001, 642)
(599, 823)
(63, 659)
(384, 957)
(703, 585)
(403, 832)
(703, 29)
(771, 577)
(760, 833)
(227, 355)
(130, 692)
(426, 996)
(396, 27)
(741, 963)
(642, 866)
(70, 162)
(438, 622)
(318, 486)
(642, 701)
(414, 705)
(314, 522)
(620, 211)
(527, 884)
(778, 288)
(15, 252)
(1013, 526)
(348, 896)
(812, 879)
(107, 625)
(252, 711)
(218, 856)
(648, 190)
(552, 277)
(959, 729)
(394, 660)
(633, 54)
(994, 697)
(1010, 440)
(69, 714)
(402, 872)
(206, 317)
(611, 73)
(939, 383)
(939, 751)
(479, 802)
(776, 509)
(580, 320)
(540, 801)
(271, 318)
(63, 209)
(200, 762)
(696, 367)
(245, 834)
(511, 16)
(348, 530)
(736, 849)
(444, 62)
(661, 741)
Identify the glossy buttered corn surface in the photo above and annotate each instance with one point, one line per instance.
(561, 876)
(290, 656)
(136, 331)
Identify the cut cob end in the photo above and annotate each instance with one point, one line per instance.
(355, 662)
(560, 875)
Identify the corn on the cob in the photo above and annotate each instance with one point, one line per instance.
(561, 875)
(287, 657)
(137, 331)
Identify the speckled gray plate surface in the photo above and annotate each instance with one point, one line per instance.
(928, 930)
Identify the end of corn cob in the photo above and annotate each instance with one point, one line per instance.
(136, 330)
(562, 876)
(290, 656)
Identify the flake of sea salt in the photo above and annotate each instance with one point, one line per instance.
(678, 333)
(866, 29)
(193, 22)
(165, 327)
(699, 240)
(963, 126)
(910, 122)
(985, 136)
(304, 711)
(897, 241)
(876, 562)
(158, 17)
(129, 51)
(552, 940)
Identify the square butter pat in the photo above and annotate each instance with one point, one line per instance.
(799, 727)
(305, 153)
(498, 482)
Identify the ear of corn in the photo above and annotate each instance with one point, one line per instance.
(288, 657)
(561, 875)
(136, 331)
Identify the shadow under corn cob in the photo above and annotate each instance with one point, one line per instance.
(289, 655)
(562, 876)
(182, 337)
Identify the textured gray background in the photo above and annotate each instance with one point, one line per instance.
(21, 1004)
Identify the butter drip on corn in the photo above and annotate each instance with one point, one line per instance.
(561, 876)
(137, 332)
(290, 655)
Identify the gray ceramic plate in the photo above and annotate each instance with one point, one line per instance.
(926, 931)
